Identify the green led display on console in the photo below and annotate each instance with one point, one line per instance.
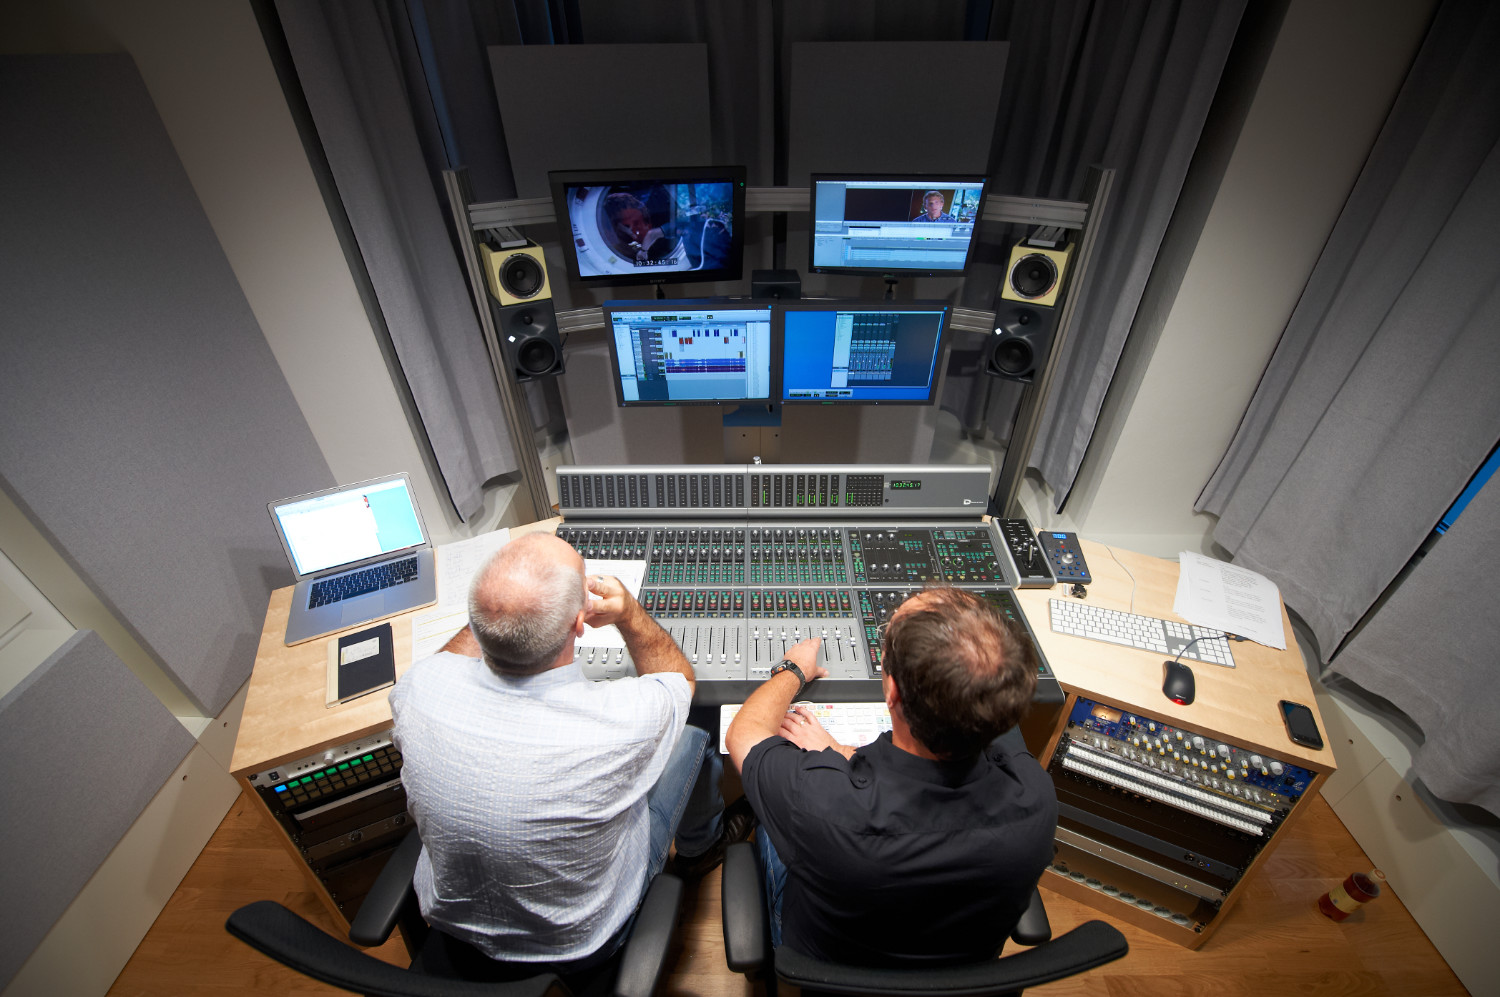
(906, 484)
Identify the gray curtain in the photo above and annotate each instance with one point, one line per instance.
(1383, 399)
(1126, 86)
(356, 64)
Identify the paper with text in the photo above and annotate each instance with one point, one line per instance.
(1228, 597)
(457, 563)
(631, 574)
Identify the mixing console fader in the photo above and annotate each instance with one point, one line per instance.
(737, 575)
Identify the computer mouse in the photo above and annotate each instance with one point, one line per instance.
(1177, 682)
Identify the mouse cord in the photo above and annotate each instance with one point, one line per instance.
(1127, 571)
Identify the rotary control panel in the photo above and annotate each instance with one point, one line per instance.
(735, 595)
(1185, 767)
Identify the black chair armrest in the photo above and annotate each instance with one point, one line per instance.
(275, 931)
(743, 904)
(392, 891)
(1033, 928)
(645, 953)
(1088, 946)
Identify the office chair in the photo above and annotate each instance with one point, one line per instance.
(277, 932)
(747, 948)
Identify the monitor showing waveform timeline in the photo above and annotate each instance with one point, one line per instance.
(863, 353)
(690, 352)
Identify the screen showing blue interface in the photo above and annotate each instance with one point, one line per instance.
(692, 354)
(894, 225)
(350, 525)
(860, 355)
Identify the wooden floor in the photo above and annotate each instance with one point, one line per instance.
(1273, 942)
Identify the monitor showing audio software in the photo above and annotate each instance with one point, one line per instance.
(652, 226)
(690, 352)
(911, 225)
(866, 353)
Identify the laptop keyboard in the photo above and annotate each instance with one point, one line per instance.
(357, 583)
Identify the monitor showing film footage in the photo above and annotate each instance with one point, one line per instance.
(865, 353)
(656, 226)
(911, 225)
(690, 352)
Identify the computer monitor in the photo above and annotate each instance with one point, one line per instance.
(690, 352)
(894, 225)
(861, 352)
(652, 226)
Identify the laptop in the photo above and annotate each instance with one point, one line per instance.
(360, 553)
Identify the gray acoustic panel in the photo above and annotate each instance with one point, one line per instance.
(146, 422)
(892, 107)
(589, 107)
(83, 748)
(888, 107)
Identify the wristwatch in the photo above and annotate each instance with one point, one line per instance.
(788, 665)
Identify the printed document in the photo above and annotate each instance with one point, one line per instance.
(1227, 597)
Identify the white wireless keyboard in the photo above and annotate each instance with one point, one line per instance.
(1144, 632)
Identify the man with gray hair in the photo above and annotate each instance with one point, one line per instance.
(546, 802)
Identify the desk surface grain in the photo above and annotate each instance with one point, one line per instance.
(285, 713)
(1237, 704)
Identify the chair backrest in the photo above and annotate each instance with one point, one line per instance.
(1090, 945)
(275, 931)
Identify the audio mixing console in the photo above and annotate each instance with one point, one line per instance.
(743, 562)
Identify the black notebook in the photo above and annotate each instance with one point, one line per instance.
(361, 663)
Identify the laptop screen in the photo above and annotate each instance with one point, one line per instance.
(352, 524)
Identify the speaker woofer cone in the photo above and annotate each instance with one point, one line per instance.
(1012, 357)
(536, 357)
(522, 276)
(1033, 275)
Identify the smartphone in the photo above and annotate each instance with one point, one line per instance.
(1300, 725)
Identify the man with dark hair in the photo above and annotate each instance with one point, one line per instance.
(933, 203)
(922, 847)
(546, 802)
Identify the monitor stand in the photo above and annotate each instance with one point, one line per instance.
(890, 288)
(752, 431)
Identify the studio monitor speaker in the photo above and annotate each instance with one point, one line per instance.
(1035, 273)
(1022, 340)
(528, 339)
(516, 274)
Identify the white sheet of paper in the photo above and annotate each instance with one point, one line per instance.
(1228, 597)
(456, 564)
(360, 651)
(631, 575)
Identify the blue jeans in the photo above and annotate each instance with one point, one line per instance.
(774, 871)
(686, 802)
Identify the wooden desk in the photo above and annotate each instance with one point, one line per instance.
(1235, 705)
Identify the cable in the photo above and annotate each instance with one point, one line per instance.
(1127, 571)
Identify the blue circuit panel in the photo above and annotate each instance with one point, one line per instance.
(1207, 761)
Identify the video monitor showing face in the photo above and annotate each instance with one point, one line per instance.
(686, 352)
(652, 226)
(861, 353)
(894, 225)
